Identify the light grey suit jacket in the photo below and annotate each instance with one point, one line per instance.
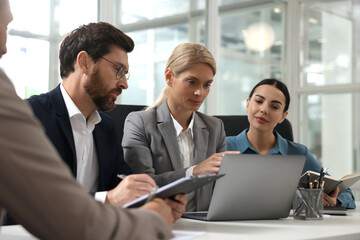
(39, 191)
(150, 146)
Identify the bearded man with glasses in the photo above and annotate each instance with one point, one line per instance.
(94, 69)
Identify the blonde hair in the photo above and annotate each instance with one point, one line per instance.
(183, 57)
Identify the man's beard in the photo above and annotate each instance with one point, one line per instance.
(102, 103)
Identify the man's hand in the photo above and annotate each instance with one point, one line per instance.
(130, 188)
(331, 200)
(164, 210)
(212, 164)
(177, 206)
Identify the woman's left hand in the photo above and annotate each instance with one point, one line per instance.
(331, 200)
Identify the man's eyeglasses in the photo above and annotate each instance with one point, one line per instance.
(121, 71)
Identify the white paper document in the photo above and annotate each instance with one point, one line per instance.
(185, 235)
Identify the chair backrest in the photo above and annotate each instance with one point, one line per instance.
(119, 114)
(235, 124)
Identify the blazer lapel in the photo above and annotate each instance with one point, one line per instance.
(167, 130)
(62, 118)
(201, 138)
(104, 161)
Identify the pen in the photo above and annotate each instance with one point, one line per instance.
(152, 194)
(316, 183)
(322, 174)
(121, 176)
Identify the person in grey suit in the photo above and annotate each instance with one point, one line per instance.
(171, 139)
(38, 189)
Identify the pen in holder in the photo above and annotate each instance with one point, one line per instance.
(309, 203)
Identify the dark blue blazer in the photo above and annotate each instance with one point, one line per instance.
(51, 110)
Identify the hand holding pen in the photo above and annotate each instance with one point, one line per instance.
(130, 188)
(152, 193)
(177, 206)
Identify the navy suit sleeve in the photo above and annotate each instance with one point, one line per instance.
(124, 167)
(110, 154)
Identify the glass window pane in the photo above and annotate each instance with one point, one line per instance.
(167, 38)
(160, 82)
(69, 16)
(327, 59)
(139, 10)
(27, 20)
(331, 143)
(27, 65)
(251, 50)
(38, 59)
(147, 62)
(228, 2)
(236, 78)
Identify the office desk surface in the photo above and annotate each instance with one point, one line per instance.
(331, 227)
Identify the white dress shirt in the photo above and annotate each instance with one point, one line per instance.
(186, 146)
(86, 158)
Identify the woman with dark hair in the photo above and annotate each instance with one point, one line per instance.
(267, 106)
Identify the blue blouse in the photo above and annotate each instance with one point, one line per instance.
(286, 147)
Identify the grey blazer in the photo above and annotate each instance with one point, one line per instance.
(150, 146)
(39, 191)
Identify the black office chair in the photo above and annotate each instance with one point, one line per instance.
(235, 124)
(119, 114)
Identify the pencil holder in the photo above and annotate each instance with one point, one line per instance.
(309, 204)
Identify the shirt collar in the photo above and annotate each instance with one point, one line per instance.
(279, 148)
(281, 145)
(179, 128)
(243, 141)
(93, 119)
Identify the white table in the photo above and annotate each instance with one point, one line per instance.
(15, 232)
(331, 227)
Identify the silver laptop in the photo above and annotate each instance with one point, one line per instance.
(254, 187)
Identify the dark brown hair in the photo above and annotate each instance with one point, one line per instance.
(94, 38)
(279, 85)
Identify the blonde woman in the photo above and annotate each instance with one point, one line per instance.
(171, 139)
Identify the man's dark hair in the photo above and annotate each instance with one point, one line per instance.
(94, 38)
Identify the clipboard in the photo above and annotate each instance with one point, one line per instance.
(181, 186)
